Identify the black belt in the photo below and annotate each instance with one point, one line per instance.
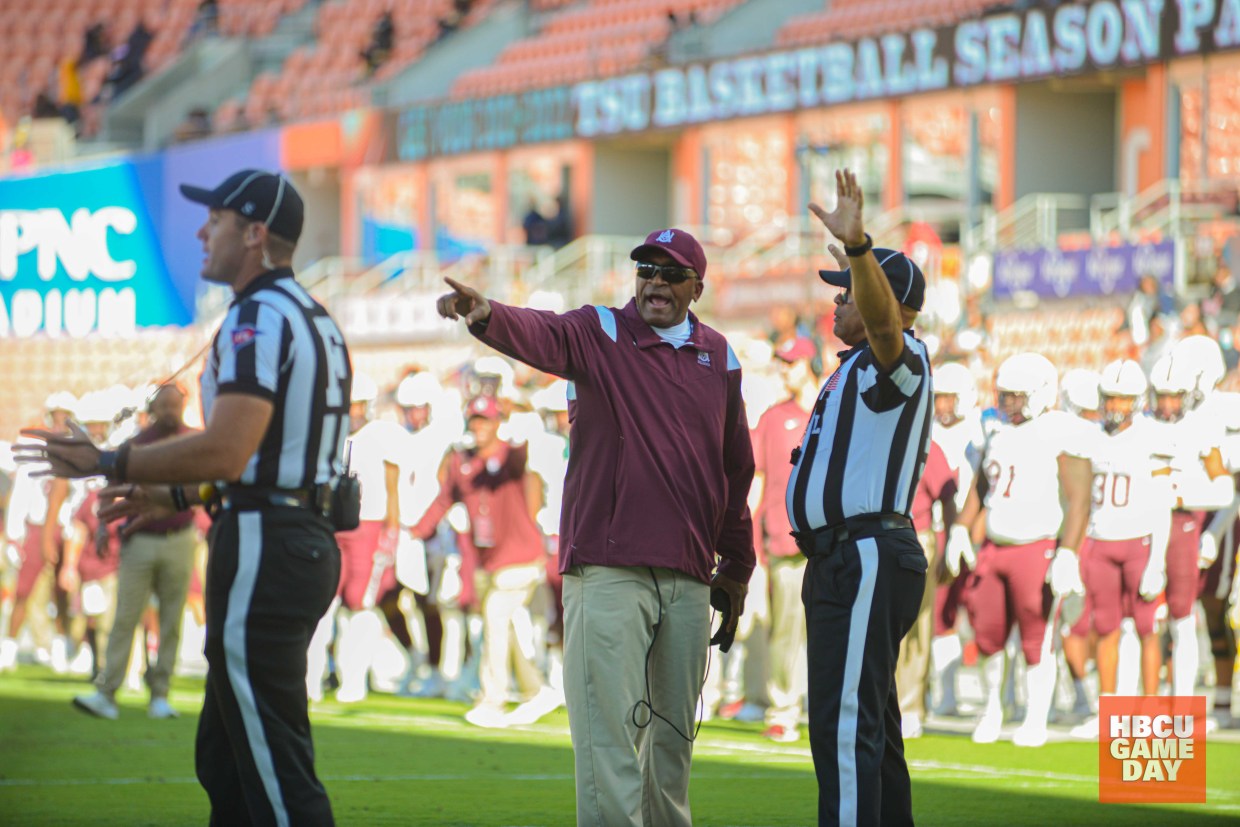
(823, 541)
(251, 497)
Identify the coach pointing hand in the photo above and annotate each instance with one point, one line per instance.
(464, 301)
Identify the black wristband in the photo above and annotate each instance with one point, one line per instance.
(861, 249)
(179, 501)
(115, 464)
(107, 464)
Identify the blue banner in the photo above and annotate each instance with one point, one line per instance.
(1099, 271)
(80, 253)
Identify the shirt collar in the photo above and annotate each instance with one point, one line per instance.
(645, 337)
(264, 280)
(845, 355)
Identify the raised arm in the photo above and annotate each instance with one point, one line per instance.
(876, 303)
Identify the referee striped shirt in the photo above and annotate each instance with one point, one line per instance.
(278, 343)
(866, 443)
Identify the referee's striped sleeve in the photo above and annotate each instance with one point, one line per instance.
(886, 390)
(251, 343)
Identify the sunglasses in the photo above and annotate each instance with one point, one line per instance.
(671, 273)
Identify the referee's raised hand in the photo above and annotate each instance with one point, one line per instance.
(463, 301)
(844, 221)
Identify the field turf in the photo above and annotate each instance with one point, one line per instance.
(395, 761)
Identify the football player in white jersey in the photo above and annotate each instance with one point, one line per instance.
(1125, 564)
(1201, 484)
(957, 428)
(1204, 360)
(1079, 397)
(1032, 466)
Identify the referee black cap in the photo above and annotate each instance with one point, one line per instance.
(262, 196)
(905, 276)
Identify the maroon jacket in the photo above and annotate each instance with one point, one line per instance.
(659, 459)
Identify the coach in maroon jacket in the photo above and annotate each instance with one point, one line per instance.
(659, 468)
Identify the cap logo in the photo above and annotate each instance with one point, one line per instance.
(665, 237)
(247, 208)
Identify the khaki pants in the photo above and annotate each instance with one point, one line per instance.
(630, 775)
(789, 679)
(150, 564)
(507, 631)
(913, 666)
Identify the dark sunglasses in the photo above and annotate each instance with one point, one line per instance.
(671, 273)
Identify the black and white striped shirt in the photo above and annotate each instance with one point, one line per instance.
(278, 343)
(866, 443)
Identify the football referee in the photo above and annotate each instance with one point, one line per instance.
(848, 501)
(275, 396)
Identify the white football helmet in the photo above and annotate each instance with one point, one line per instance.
(1079, 391)
(364, 389)
(417, 390)
(955, 379)
(1122, 379)
(60, 401)
(1032, 375)
(1169, 378)
(1202, 358)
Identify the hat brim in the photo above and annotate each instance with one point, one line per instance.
(837, 278)
(645, 249)
(198, 195)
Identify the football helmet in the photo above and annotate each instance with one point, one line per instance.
(1202, 357)
(1170, 385)
(1031, 375)
(364, 389)
(1079, 391)
(955, 379)
(1122, 379)
(418, 390)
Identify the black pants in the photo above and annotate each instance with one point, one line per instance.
(270, 577)
(860, 601)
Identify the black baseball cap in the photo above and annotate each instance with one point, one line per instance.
(259, 196)
(905, 276)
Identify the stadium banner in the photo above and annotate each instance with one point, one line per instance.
(1006, 47)
(80, 253)
(1097, 271)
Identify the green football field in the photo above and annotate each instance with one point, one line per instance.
(404, 762)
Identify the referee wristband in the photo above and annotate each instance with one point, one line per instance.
(115, 464)
(860, 249)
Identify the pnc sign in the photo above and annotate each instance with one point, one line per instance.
(79, 254)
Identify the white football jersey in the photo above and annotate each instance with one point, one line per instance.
(1021, 465)
(1128, 500)
(1187, 442)
(962, 445)
(374, 445)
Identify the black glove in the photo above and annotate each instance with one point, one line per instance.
(723, 638)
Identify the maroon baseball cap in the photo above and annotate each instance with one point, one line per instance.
(484, 406)
(796, 349)
(678, 244)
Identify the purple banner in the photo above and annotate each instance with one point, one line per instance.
(1099, 271)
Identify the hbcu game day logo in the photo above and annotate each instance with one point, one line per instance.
(1152, 750)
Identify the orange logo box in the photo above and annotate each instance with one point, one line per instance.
(1152, 750)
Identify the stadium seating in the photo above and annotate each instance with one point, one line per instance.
(329, 76)
(37, 367)
(597, 39)
(41, 34)
(852, 19)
